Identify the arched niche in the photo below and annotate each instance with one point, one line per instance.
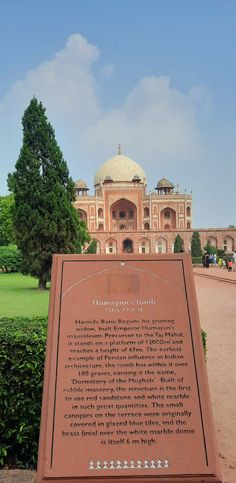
(100, 213)
(188, 211)
(110, 246)
(82, 215)
(123, 213)
(167, 219)
(144, 245)
(228, 245)
(160, 245)
(128, 246)
(212, 241)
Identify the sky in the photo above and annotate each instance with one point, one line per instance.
(156, 76)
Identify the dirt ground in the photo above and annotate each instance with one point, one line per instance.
(217, 309)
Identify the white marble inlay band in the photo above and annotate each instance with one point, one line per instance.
(124, 465)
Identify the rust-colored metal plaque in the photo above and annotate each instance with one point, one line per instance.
(125, 391)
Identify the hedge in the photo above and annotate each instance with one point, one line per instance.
(196, 260)
(10, 259)
(22, 353)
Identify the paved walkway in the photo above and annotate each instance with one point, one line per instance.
(217, 310)
(216, 296)
(215, 273)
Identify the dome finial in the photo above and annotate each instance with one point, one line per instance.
(119, 150)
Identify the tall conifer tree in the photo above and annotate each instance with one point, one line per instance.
(178, 244)
(196, 250)
(44, 218)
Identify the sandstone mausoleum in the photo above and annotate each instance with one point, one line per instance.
(122, 217)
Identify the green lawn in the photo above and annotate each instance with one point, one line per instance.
(19, 296)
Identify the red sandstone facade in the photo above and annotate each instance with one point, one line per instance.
(121, 217)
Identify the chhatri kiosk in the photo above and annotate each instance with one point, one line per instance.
(123, 218)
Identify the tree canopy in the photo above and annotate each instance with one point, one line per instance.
(45, 220)
(7, 234)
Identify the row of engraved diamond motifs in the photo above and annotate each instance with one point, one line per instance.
(115, 465)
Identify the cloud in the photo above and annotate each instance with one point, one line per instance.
(107, 71)
(156, 122)
(65, 84)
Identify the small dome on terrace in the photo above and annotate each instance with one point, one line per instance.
(81, 184)
(164, 183)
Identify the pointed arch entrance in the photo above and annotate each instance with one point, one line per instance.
(128, 246)
(123, 215)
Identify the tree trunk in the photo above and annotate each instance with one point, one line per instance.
(42, 284)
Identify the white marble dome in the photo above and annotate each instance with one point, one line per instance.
(119, 168)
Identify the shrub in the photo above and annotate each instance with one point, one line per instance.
(220, 253)
(22, 352)
(196, 260)
(10, 259)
